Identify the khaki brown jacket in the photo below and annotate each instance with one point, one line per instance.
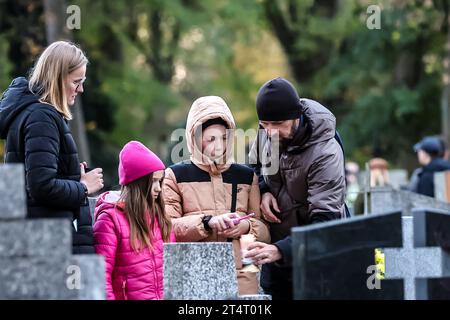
(199, 187)
(309, 183)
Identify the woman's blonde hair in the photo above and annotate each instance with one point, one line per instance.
(48, 77)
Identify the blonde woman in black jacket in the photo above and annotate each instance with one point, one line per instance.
(34, 115)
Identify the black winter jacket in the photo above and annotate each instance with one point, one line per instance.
(38, 136)
(425, 183)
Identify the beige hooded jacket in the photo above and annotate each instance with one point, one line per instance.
(193, 189)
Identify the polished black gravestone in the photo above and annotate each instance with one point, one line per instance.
(336, 260)
(432, 229)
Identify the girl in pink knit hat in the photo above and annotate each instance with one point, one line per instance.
(131, 226)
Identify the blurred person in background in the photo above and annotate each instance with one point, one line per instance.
(430, 152)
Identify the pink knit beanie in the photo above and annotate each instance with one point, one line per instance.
(136, 161)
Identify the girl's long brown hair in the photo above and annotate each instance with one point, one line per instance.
(142, 211)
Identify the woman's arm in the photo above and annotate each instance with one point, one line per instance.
(42, 147)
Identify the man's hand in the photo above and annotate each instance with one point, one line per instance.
(262, 253)
(235, 232)
(268, 201)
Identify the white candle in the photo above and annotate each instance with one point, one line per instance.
(245, 240)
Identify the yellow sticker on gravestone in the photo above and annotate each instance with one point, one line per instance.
(379, 262)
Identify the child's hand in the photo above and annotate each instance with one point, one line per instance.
(235, 232)
(222, 222)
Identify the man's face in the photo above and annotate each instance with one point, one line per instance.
(423, 157)
(286, 129)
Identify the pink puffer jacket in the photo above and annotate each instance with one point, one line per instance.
(129, 275)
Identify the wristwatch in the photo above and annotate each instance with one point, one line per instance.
(205, 221)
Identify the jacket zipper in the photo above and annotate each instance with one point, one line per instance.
(124, 291)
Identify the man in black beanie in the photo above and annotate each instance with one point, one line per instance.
(300, 141)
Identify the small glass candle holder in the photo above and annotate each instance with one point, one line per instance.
(245, 240)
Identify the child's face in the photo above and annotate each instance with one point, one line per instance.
(158, 177)
(214, 141)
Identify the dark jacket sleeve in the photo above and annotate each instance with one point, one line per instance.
(285, 248)
(326, 187)
(42, 146)
(425, 184)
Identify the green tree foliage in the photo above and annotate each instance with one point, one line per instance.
(149, 60)
(384, 85)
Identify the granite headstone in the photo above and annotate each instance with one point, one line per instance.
(387, 199)
(336, 260)
(35, 254)
(12, 192)
(199, 271)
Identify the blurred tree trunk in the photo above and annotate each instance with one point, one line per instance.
(289, 27)
(445, 98)
(160, 51)
(55, 20)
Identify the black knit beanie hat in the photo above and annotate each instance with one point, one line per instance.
(278, 100)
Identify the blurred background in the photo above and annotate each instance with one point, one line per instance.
(150, 59)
